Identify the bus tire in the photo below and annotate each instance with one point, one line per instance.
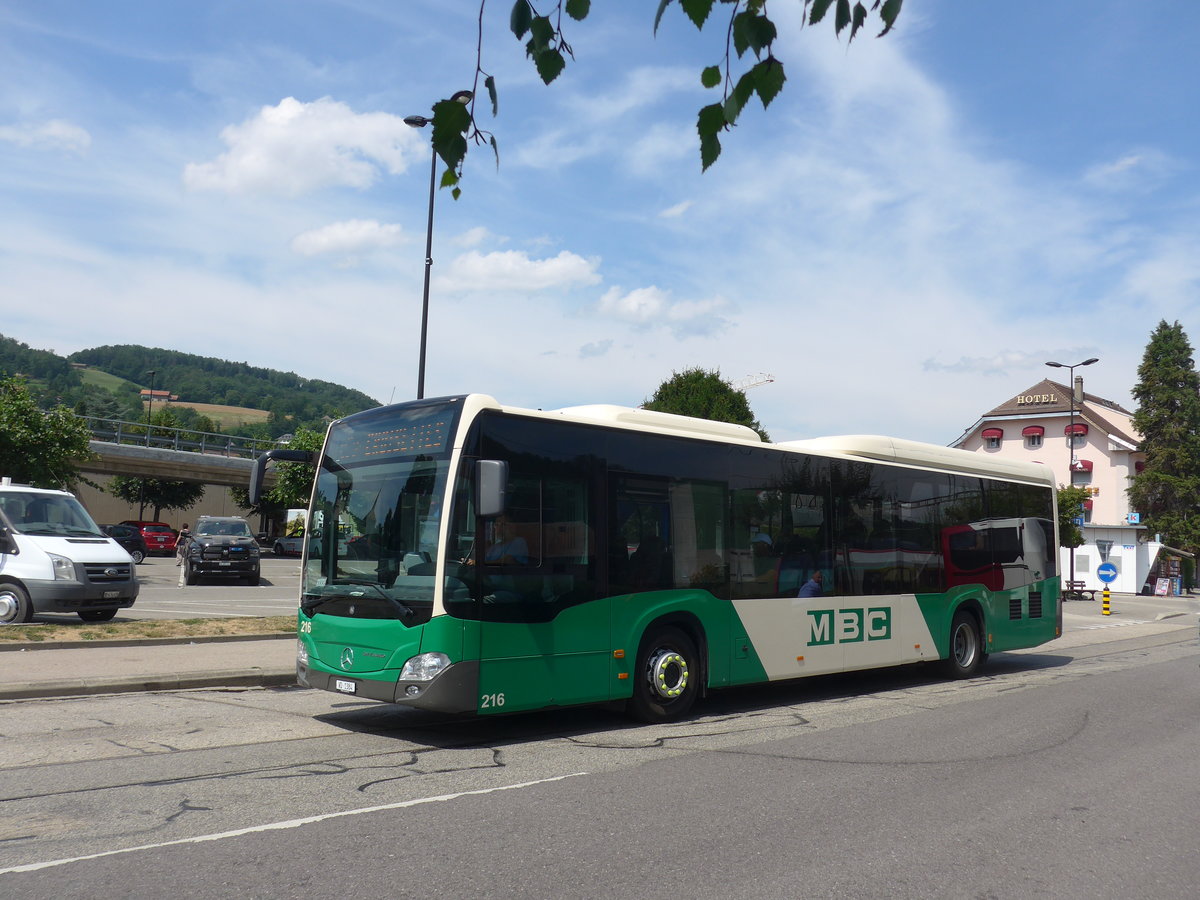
(15, 608)
(97, 615)
(966, 648)
(666, 677)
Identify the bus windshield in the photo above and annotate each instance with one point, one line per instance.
(373, 529)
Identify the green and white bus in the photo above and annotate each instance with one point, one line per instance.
(490, 559)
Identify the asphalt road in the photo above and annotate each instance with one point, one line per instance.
(1067, 771)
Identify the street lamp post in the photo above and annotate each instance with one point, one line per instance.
(463, 97)
(1071, 428)
(150, 404)
(149, 409)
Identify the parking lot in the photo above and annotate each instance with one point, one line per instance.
(162, 598)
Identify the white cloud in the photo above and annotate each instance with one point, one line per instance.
(654, 307)
(1137, 168)
(595, 348)
(513, 270)
(52, 134)
(350, 237)
(472, 237)
(295, 147)
(674, 212)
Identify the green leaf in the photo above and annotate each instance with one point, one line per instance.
(842, 16)
(578, 9)
(449, 179)
(697, 10)
(737, 98)
(891, 9)
(711, 76)
(860, 16)
(522, 15)
(819, 8)
(456, 193)
(541, 33)
(710, 119)
(550, 64)
(710, 149)
(450, 122)
(768, 79)
(752, 31)
(662, 6)
(490, 84)
(495, 149)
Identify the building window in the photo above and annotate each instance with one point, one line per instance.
(1033, 441)
(991, 443)
(1077, 440)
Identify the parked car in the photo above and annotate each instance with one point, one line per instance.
(159, 536)
(288, 546)
(221, 546)
(128, 537)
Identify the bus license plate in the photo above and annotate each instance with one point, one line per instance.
(346, 687)
(111, 595)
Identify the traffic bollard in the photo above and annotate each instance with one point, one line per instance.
(1105, 609)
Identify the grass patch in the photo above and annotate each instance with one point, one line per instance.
(144, 629)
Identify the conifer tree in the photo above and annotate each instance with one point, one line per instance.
(1167, 491)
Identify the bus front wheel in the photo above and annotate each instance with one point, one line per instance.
(966, 650)
(666, 678)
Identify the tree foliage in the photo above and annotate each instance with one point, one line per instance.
(745, 66)
(39, 447)
(1070, 506)
(703, 394)
(293, 481)
(1166, 491)
(156, 493)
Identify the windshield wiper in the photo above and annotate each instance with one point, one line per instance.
(405, 610)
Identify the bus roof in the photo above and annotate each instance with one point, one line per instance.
(862, 446)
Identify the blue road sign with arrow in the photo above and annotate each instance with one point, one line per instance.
(1106, 572)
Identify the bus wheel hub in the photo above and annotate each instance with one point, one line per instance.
(668, 674)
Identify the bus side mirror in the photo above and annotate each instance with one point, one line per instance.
(491, 480)
(258, 473)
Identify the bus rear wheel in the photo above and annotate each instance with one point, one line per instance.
(666, 677)
(966, 651)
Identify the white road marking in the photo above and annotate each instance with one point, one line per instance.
(283, 826)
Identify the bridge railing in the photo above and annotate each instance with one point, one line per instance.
(116, 431)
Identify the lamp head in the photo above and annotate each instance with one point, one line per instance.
(417, 121)
(1056, 365)
(463, 97)
(1088, 362)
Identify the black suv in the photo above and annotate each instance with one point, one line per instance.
(221, 547)
(130, 538)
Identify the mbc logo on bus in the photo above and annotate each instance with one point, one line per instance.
(847, 626)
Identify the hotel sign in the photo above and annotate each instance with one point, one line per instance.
(1032, 399)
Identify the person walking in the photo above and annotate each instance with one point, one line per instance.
(181, 544)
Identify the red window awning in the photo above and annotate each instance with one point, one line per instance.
(1081, 465)
(1087, 504)
(1032, 430)
(1077, 428)
(993, 432)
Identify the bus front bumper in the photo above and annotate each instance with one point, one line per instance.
(453, 691)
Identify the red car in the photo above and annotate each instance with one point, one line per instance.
(159, 536)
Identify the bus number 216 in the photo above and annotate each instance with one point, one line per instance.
(489, 701)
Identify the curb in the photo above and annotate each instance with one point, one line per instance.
(235, 678)
(8, 646)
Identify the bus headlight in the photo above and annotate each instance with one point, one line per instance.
(424, 667)
(64, 569)
(301, 653)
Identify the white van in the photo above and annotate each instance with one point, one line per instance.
(55, 559)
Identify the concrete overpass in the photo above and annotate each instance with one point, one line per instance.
(173, 454)
(170, 465)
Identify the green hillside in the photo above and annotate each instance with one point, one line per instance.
(212, 392)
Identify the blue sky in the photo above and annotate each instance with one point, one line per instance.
(915, 226)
